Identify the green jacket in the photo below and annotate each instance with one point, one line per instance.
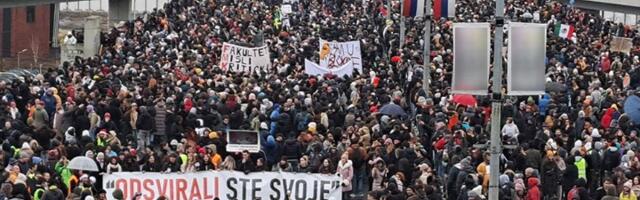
(65, 173)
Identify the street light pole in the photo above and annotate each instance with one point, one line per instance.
(496, 104)
(426, 73)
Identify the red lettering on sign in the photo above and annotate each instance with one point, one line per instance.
(162, 188)
(122, 185)
(148, 194)
(195, 190)
(136, 186)
(181, 187)
(206, 189)
(171, 189)
(215, 188)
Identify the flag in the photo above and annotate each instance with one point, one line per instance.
(564, 31)
(413, 8)
(444, 8)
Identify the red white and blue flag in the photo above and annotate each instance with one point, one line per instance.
(444, 8)
(413, 8)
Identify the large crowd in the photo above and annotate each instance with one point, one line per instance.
(137, 106)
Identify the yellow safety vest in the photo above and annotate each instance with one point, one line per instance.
(582, 168)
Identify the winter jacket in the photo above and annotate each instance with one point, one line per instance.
(345, 170)
(145, 121)
(160, 120)
(534, 192)
(543, 104)
(40, 119)
(269, 149)
(611, 159)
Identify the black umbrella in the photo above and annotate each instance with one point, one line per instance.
(392, 109)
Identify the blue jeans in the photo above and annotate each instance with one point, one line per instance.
(359, 180)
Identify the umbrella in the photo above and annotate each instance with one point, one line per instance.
(632, 108)
(83, 163)
(555, 87)
(465, 99)
(392, 109)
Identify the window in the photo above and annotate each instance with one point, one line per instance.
(31, 14)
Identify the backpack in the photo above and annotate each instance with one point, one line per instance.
(303, 119)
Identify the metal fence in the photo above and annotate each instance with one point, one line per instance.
(138, 6)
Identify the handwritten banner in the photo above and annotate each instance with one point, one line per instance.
(244, 59)
(337, 54)
(314, 69)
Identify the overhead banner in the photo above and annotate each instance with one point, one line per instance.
(244, 59)
(209, 185)
(240, 140)
(621, 44)
(527, 52)
(471, 47)
(337, 54)
(314, 69)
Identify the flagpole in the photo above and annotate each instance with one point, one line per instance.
(426, 74)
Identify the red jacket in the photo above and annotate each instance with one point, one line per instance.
(534, 191)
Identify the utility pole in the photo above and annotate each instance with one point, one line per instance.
(496, 103)
(426, 73)
(402, 25)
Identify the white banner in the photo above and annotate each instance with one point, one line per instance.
(224, 185)
(527, 51)
(471, 47)
(314, 69)
(244, 59)
(336, 54)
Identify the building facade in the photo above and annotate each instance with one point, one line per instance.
(26, 31)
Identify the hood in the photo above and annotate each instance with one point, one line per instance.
(271, 142)
(532, 182)
(344, 165)
(504, 179)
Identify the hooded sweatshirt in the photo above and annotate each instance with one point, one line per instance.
(533, 192)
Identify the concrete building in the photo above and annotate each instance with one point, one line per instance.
(621, 11)
(26, 31)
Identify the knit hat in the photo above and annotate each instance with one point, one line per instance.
(628, 184)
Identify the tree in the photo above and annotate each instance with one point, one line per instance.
(35, 47)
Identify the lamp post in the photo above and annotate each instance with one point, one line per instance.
(18, 54)
(426, 73)
(496, 103)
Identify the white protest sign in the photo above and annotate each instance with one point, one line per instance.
(314, 69)
(336, 54)
(240, 140)
(209, 185)
(286, 9)
(244, 59)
